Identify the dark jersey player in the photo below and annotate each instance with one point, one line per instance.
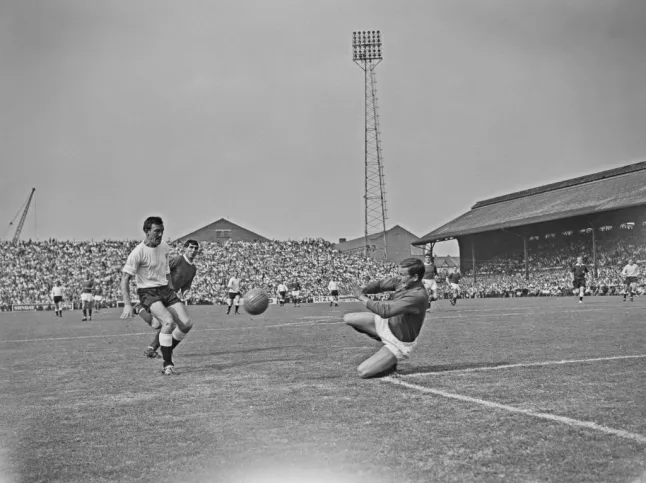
(397, 322)
(429, 280)
(454, 282)
(579, 271)
(182, 273)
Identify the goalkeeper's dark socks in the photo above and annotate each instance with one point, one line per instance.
(155, 343)
(237, 307)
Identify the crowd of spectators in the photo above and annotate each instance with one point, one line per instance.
(549, 266)
(29, 270)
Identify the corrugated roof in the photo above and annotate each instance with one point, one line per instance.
(608, 190)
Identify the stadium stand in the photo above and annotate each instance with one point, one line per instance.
(523, 243)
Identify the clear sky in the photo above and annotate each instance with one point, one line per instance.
(253, 110)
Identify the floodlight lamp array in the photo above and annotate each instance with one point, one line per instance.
(366, 45)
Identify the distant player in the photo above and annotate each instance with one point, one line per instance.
(282, 293)
(296, 293)
(182, 273)
(631, 277)
(578, 272)
(149, 264)
(333, 287)
(454, 282)
(429, 280)
(98, 298)
(234, 292)
(57, 298)
(87, 296)
(396, 322)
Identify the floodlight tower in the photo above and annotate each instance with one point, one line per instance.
(366, 53)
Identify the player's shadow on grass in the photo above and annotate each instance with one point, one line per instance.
(449, 367)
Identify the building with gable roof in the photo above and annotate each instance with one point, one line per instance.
(221, 231)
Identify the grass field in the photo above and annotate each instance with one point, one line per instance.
(515, 390)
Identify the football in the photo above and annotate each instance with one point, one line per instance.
(255, 301)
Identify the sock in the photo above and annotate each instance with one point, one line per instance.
(237, 307)
(90, 312)
(228, 309)
(84, 312)
(166, 343)
(178, 336)
(155, 343)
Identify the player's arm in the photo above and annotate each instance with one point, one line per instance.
(385, 310)
(125, 293)
(379, 286)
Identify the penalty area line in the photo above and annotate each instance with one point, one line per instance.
(493, 405)
(524, 364)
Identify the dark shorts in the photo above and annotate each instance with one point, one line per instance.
(630, 280)
(334, 293)
(282, 294)
(58, 299)
(165, 295)
(233, 295)
(578, 283)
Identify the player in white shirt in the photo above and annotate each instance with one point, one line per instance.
(631, 277)
(333, 287)
(282, 293)
(149, 264)
(234, 292)
(57, 297)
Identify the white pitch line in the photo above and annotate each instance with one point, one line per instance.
(291, 324)
(559, 419)
(523, 364)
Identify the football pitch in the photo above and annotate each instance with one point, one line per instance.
(513, 390)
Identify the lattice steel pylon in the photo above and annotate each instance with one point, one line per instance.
(366, 53)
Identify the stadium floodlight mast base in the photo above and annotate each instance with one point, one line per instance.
(366, 53)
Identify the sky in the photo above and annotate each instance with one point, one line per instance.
(253, 110)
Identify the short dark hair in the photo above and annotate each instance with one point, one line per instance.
(189, 243)
(152, 220)
(415, 267)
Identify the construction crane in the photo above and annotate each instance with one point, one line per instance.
(24, 209)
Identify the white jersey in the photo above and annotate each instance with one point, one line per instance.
(57, 292)
(631, 270)
(234, 285)
(149, 265)
(333, 286)
(282, 287)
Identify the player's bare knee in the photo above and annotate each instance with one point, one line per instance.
(155, 324)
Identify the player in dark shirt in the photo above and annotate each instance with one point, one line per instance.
(296, 293)
(429, 280)
(182, 273)
(579, 271)
(396, 322)
(454, 282)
